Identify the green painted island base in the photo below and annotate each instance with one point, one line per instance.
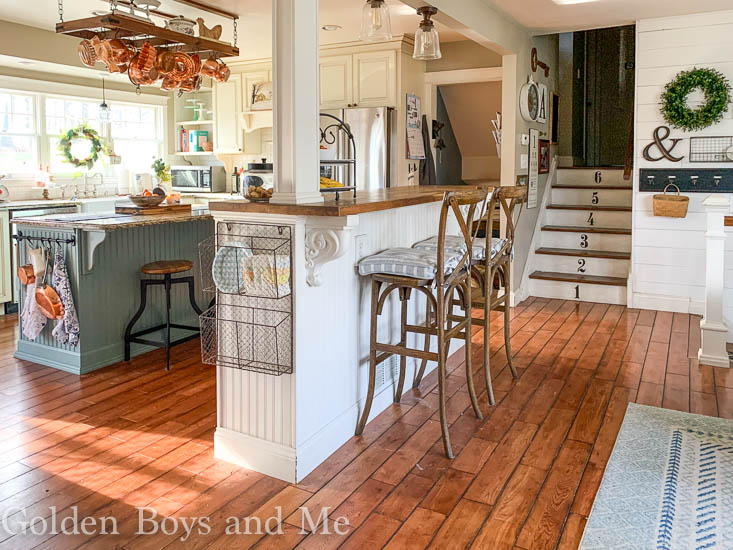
(104, 268)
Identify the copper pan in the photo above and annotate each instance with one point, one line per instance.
(49, 302)
(26, 274)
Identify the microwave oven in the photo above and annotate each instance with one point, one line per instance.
(199, 179)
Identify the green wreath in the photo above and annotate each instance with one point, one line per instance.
(97, 146)
(713, 84)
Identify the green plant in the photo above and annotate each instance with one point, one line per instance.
(162, 170)
(713, 84)
(97, 146)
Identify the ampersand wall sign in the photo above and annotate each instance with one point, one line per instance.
(665, 152)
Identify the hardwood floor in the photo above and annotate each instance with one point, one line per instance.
(131, 435)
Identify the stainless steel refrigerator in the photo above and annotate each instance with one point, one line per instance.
(373, 131)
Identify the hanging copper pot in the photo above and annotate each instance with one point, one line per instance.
(192, 84)
(168, 84)
(165, 62)
(223, 74)
(184, 67)
(87, 53)
(121, 54)
(146, 57)
(210, 67)
(49, 302)
(26, 274)
(196, 63)
(139, 77)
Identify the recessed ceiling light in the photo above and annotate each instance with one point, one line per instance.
(331, 27)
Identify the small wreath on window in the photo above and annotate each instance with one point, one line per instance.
(712, 83)
(97, 146)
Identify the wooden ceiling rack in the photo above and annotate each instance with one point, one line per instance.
(135, 30)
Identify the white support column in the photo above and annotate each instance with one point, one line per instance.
(714, 330)
(295, 132)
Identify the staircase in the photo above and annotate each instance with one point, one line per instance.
(584, 250)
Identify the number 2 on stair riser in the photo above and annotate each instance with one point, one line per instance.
(584, 241)
(581, 265)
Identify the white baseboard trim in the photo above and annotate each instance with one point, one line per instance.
(660, 302)
(713, 360)
(249, 452)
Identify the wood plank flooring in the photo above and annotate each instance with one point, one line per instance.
(132, 436)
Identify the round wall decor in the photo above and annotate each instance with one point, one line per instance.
(79, 139)
(529, 101)
(713, 84)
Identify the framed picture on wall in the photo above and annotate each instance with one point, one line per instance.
(544, 156)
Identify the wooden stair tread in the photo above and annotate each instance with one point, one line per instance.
(578, 278)
(580, 252)
(595, 207)
(594, 168)
(574, 229)
(594, 186)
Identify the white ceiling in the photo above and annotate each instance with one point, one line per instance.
(255, 24)
(550, 16)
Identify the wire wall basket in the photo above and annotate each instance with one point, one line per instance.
(250, 327)
(711, 149)
(247, 338)
(247, 260)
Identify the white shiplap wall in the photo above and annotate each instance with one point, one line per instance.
(668, 259)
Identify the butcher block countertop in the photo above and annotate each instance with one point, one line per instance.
(366, 201)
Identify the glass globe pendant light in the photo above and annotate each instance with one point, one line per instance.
(375, 22)
(104, 110)
(427, 41)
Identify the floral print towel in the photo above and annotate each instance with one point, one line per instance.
(67, 329)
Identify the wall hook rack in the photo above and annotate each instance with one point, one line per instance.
(44, 240)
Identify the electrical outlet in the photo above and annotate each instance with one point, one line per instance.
(525, 139)
(360, 242)
(523, 161)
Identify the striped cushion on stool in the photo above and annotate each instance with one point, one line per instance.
(407, 262)
(457, 245)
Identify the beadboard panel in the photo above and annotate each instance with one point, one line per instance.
(108, 296)
(668, 254)
(315, 410)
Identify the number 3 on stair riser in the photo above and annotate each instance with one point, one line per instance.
(584, 241)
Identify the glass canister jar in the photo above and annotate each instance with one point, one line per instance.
(258, 181)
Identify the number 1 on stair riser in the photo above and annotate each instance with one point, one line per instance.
(577, 292)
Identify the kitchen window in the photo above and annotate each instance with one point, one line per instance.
(31, 125)
(18, 133)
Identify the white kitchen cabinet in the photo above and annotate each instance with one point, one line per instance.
(6, 275)
(228, 107)
(336, 81)
(375, 79)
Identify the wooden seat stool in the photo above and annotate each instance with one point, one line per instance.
(166, 268)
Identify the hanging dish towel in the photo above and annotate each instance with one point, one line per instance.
(67, 329)
(32, 319)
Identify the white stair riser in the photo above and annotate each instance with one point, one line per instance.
(590, 266)
(579, 218)
(588, 177)
(606, 197)
(594, 241)
(605, 294)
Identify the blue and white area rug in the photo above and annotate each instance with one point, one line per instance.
(667, 486)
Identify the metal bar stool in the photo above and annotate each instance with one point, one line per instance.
(408, 269)
(165, 268)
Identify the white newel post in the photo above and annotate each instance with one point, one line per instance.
(296, 102)
(714, 330)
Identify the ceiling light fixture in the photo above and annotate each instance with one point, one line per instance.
(331, 28)
(104, 110)
(427, 41)
(375, 22)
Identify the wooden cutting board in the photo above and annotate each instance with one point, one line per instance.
(154, 210)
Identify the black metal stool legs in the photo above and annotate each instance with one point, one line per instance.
(135, 337)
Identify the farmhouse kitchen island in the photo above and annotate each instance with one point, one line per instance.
(103, 255)
(293, 359)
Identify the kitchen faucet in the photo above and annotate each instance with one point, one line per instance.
(87, 177)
